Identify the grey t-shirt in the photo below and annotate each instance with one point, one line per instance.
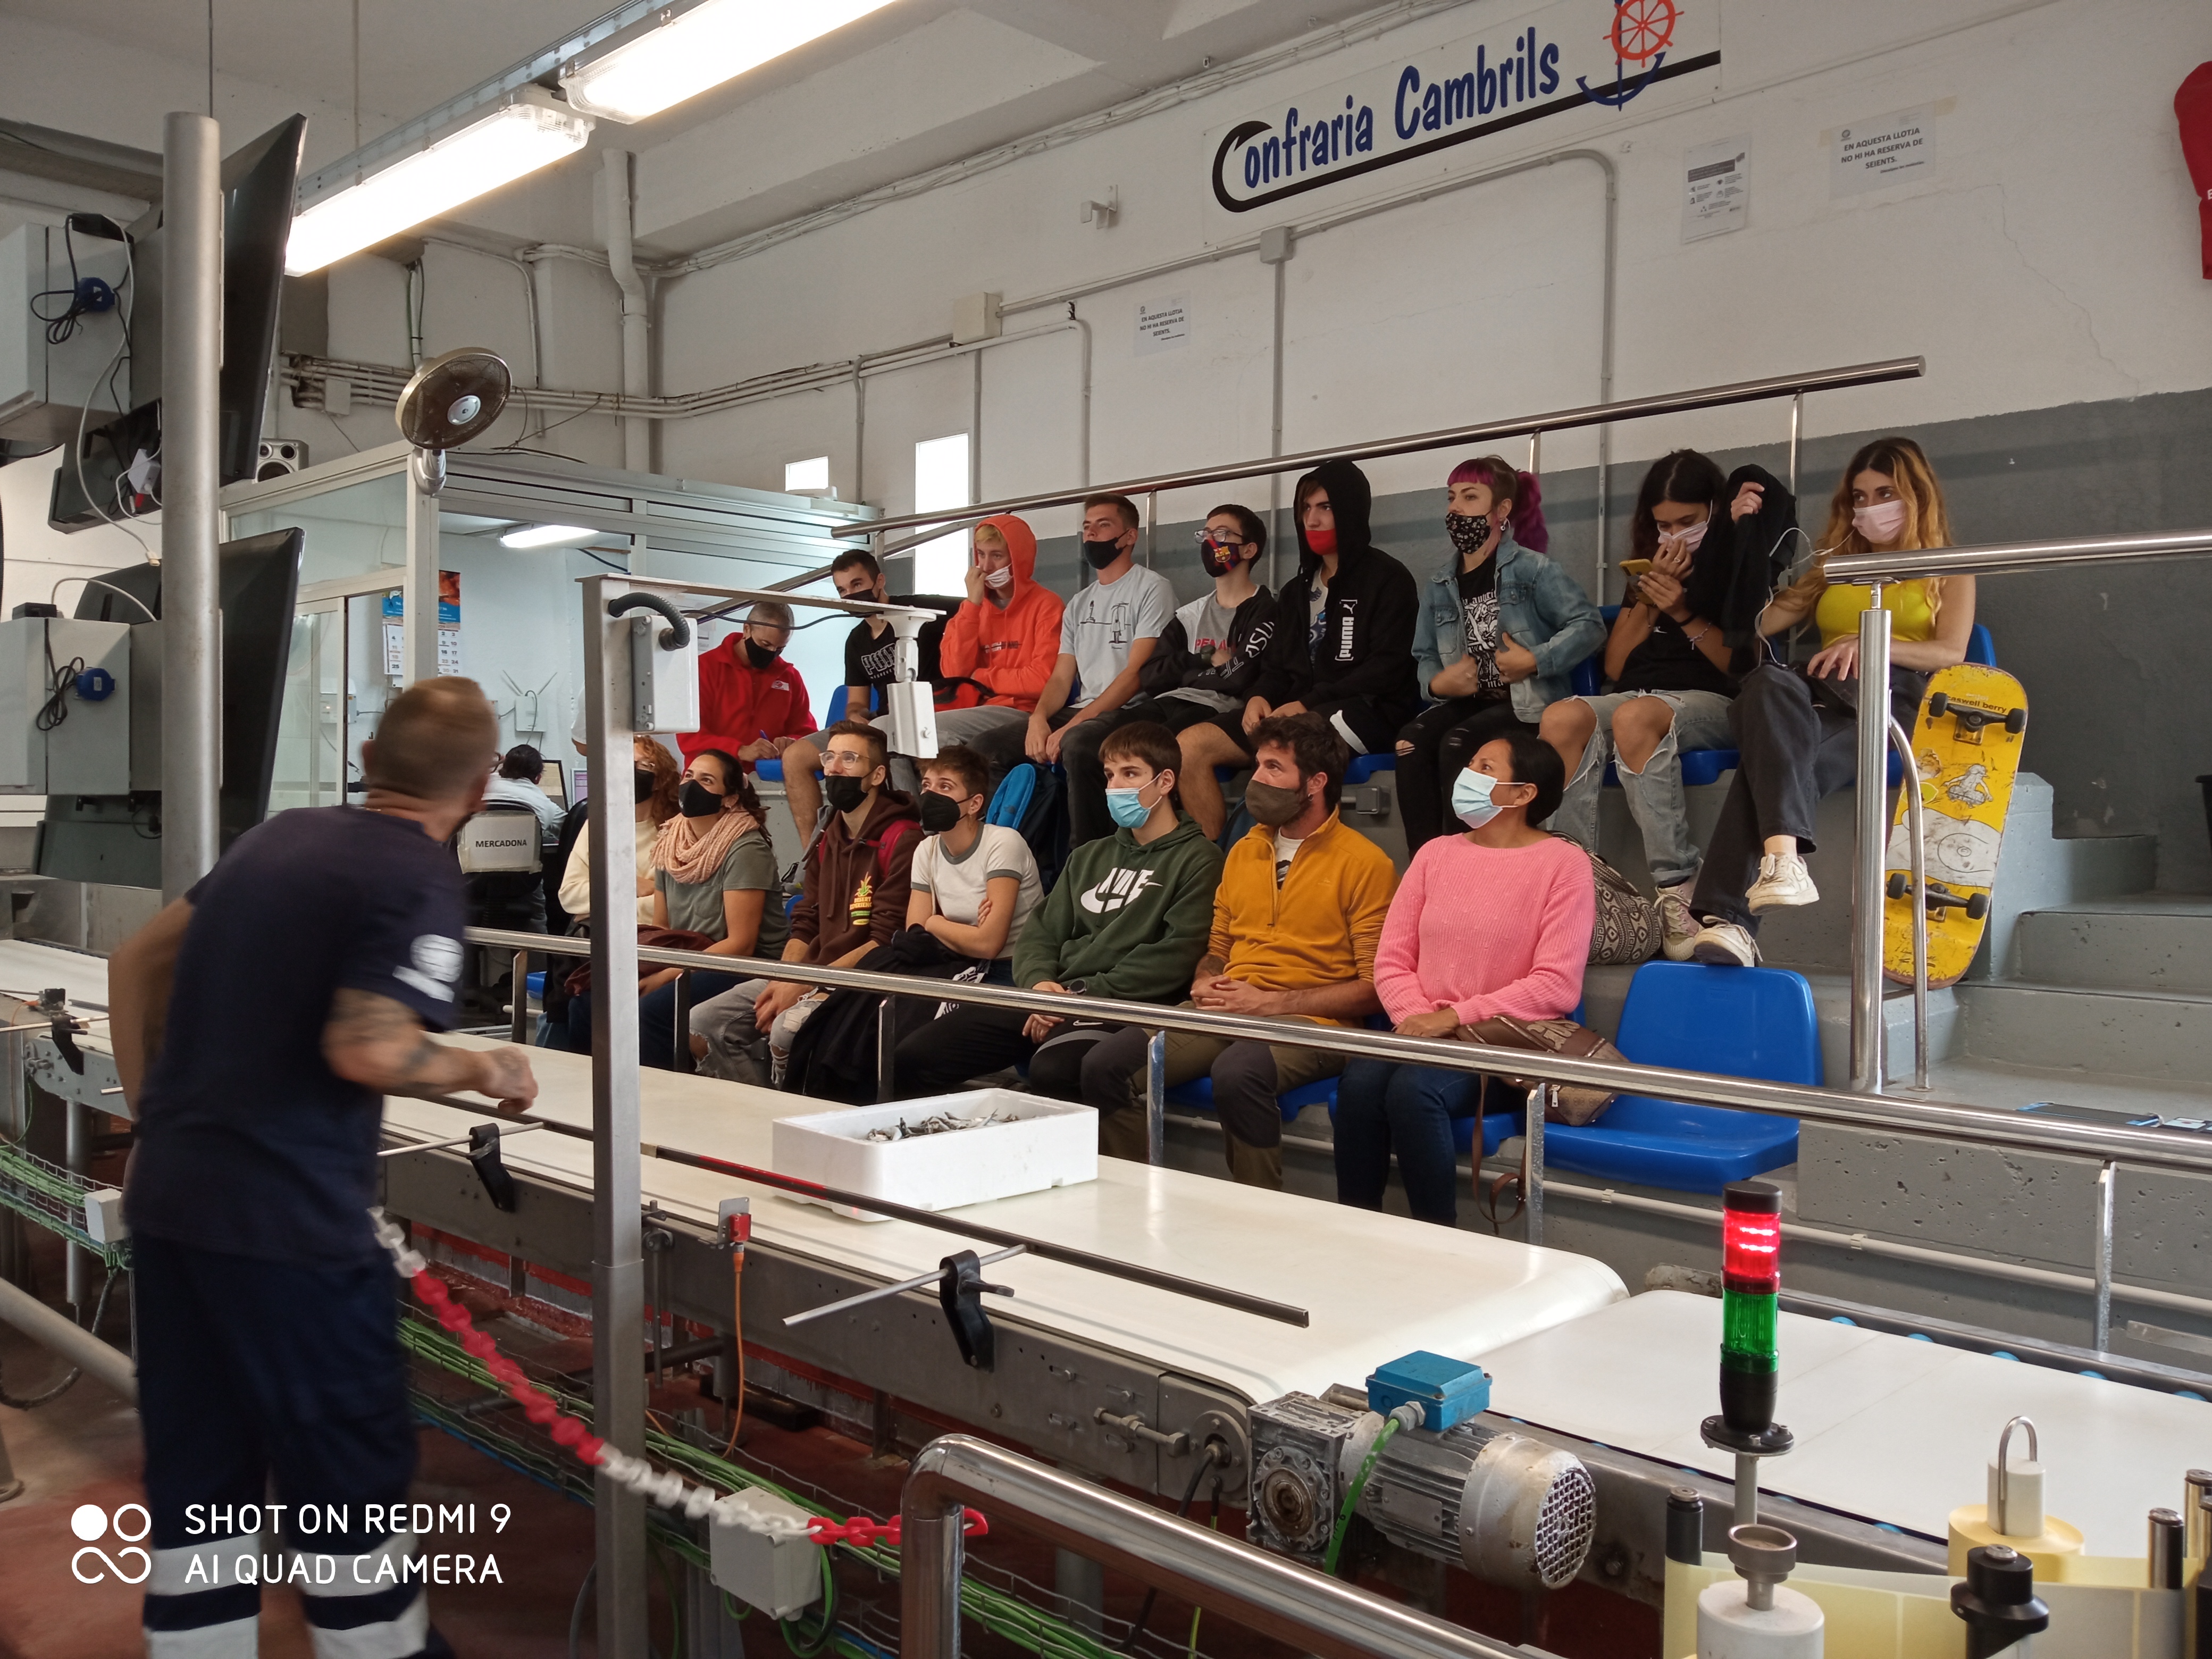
(1104, 619)
(697, 906)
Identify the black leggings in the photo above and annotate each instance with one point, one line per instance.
(1444, 740)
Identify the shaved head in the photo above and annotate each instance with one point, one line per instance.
(436, 742)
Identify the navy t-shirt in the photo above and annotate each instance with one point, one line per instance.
(248, 1143)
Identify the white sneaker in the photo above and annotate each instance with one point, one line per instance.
(1677, 924)
(1724, 945)
(1783, 880)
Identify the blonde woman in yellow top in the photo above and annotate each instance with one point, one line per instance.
(1796, 729)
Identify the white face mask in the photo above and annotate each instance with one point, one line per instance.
(1881, 523)
(999, 577)
(1685, 541)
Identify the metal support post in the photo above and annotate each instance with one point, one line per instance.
(887, 1050)
(1155, 1099)
(1151, 528)
(2108, 1178)
(679, 1058)
(191, 520)
(76, 1141)
(617, 1265)
(1746, 1490)
(517, 1029)
(1540, 1099)
(1871, 851)
(1915, 827)
(418, 623)
(1796, 427)
(15, 1250)
(1080, 1583)
(1535, 454)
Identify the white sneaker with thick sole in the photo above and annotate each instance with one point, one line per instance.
(1724, 945)
(1678, 924)
(1782, 881)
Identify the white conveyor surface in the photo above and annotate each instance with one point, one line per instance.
(27, 969)
(1887, 1428)
(1377, 1286)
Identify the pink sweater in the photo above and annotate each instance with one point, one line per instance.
(1486, 930)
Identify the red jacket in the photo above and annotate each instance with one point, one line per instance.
(740, 703)
(1012, 650)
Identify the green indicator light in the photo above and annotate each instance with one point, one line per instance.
(1747, 1327)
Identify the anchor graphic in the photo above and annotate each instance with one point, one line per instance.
(1641, 31)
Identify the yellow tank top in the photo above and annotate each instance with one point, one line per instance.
(1842, 605)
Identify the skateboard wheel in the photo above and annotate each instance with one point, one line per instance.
(2017, 720)
(1978, 906)
(1939, 705)
(1900, 884)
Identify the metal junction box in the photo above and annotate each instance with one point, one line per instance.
(64, 707)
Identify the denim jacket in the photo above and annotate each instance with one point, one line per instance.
(1541, 606)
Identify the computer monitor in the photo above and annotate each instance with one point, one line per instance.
(555, 782)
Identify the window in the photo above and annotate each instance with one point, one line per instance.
(940, 481)
(807, 477)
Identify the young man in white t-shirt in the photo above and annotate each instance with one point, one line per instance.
(975, 885)
(1106, 634)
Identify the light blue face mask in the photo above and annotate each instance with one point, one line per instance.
(1470, 798)
(1128, 808)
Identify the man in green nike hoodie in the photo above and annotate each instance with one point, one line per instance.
(1128, 919)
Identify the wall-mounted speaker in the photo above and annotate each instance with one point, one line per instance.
(279, 456)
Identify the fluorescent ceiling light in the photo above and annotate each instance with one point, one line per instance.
(530, 131)
(545, 534)
(679, 53)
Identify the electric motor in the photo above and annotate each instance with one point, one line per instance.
(1509, 1509)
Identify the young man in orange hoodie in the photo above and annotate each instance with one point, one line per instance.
(1005, 639)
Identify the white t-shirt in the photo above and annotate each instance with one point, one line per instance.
(959, 885)
(1104, 619)
(1286, 848)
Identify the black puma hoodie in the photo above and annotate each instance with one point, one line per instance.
(1365, 647)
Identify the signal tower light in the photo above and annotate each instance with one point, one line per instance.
(1751, 1284)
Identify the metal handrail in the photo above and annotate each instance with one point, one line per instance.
(1521, 426)
(1278, 1598)
(2007, 558)
(1990, 1126)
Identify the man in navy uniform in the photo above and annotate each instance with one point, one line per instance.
(258, 1022)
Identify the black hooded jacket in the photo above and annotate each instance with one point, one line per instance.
(1365, 650)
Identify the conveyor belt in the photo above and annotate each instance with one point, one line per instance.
(25, 969)
(1377, 1286)
(1886, 1427)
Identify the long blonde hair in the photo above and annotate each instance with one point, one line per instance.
(1927, 519)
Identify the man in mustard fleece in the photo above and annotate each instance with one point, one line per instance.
(1296, 923)
(1127, 919)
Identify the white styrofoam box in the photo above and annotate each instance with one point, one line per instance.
(780, 1575)
(1049, 1143)
(88, 753)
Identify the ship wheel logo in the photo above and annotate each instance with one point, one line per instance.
(1641, 32)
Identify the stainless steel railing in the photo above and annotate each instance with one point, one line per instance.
(1276, 1597)
(2009, 558)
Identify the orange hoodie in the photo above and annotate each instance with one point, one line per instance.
(1012, 650)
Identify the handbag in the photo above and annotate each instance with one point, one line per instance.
(1624, 930)
(1572, 1104)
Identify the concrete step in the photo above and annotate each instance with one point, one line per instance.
(2074, 1032)
(2141, 942)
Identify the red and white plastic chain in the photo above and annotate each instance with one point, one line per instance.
(662, 1487)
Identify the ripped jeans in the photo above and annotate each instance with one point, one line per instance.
(1655, 794)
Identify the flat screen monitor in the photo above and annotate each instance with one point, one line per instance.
(555, 782)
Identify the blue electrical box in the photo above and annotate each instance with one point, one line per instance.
(1448, 1391)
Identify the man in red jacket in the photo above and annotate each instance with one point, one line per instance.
(752, 704)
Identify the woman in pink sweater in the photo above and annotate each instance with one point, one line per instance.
(1494, 921)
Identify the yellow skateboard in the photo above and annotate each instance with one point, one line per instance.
(1965, 747)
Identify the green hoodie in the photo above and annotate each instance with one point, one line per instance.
(1129, 921)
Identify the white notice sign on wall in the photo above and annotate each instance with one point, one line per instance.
(1716, 189)
(1868, 154)
(1163, 325)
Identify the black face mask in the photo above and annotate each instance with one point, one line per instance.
(759, 655)
(645, 783)
(695, 800)
(939, 812)
(1468, 532)
(1101, 554)
(1219, 562)
(843, 793)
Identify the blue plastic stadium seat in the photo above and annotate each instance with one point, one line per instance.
(839, 696)
(1364, 766)
(769, 771)
(1585, 678)
(1981, 647)
(1197, 1096)
(1735, 1022)
(534, 984)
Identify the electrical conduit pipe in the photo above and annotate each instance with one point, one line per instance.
(637, 380)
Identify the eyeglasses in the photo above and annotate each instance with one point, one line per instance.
(1207, 538)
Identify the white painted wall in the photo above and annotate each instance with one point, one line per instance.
(2049, 259)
